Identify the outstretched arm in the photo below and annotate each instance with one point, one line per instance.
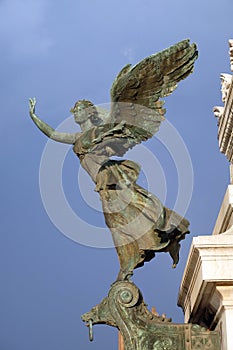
(47, 130)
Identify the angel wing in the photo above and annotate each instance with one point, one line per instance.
(137, 90)
(156, 76)
(136, 109)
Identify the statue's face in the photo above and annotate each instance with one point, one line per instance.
(83, 110)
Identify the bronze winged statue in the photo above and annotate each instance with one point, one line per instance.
(139, 223)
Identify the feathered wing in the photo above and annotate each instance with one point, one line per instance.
(136, 109)
(136, 91)
(156, 76)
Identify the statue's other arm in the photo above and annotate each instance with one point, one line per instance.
(47, 130)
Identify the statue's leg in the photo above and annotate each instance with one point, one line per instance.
(118, 219)
(129, 257)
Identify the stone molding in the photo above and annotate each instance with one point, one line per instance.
(210, 264)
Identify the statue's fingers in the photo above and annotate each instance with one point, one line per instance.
(31, 105)
(30, 102)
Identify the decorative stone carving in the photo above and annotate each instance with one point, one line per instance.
(224, 113)
(225, 82)
(218, 112)
(231, 53)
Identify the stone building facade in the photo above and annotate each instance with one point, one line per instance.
(206, 291)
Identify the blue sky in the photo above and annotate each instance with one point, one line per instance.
(60, 52)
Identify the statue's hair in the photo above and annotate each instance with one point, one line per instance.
(95, 119)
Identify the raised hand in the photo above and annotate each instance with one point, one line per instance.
(32, 104)
(48, 130)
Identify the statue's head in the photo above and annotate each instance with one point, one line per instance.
(83, 111)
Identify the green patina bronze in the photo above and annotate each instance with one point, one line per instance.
(140, 225)
(125, 309)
